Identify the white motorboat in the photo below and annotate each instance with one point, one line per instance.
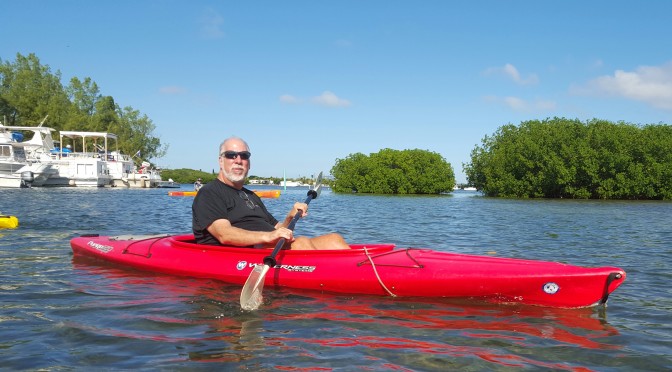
(126, 174)
(170, 184)
(292, 184)
(15, 169)
(68, 167)
(119, 168)
(75, 166)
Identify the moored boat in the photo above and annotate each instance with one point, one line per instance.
(84, 163)
(170, 184)
(17, 169)
(63, 166)
(367, 269)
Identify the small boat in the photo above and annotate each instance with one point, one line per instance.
(366, 269)
(261, 193)
(126, 174)
(170, 184)
(8, 222)
(286, 183)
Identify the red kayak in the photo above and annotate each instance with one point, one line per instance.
(370, 269)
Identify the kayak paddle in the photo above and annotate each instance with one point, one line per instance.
(250, 297)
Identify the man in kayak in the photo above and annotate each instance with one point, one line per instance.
(226, 213)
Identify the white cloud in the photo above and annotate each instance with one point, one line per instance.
(330, 99)
(511, 71)
(522, 105)
(515, 103)
(211, 24)
(327, 98)
(649, 84)
(172, 90)
(289, 99)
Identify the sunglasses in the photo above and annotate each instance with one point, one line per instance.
(244, 155)
(243, 195)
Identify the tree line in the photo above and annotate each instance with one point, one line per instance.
(551, 158)
(393, 172)
(563, 158)
(29, 91)
(184, 175)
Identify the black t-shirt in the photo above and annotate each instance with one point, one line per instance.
(217, 200)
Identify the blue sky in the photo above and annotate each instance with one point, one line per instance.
(308, 82)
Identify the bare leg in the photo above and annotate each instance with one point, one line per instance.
(329, 241)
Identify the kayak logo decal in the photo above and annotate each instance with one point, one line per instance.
(304, 269)
(100, 247)
(551, 288)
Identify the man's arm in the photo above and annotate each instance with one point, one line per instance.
(288, 219)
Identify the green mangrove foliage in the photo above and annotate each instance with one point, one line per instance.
(29, 91)
(184, 175)
(562, 158)
(393, 172)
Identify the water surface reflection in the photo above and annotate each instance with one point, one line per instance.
(204, 322)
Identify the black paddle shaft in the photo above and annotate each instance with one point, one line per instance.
(270, 260)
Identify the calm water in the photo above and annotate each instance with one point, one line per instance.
(63, 314)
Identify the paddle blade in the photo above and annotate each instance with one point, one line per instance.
(250, 297)
(315, 191)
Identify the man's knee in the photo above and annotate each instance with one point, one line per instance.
(302, 243)
(335, 237)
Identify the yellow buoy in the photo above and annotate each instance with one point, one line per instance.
(8, 222)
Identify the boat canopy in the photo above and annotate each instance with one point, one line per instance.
(41, 136)
(84, 135)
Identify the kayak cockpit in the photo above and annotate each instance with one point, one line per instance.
(188, 242)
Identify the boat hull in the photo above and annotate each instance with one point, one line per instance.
(168, 185)
(372, 269)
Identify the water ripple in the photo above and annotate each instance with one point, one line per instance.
(60, 313)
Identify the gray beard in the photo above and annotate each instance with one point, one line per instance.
(234, 177)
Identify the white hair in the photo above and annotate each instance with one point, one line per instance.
(221, 145)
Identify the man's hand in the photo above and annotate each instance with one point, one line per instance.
(280, 232)
(299, 207)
